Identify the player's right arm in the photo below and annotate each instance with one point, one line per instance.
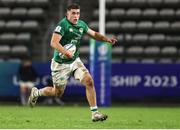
(56, 45)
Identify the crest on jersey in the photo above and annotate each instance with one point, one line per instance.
(70, 30)
(81, 30)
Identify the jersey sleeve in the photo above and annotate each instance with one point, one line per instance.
(60, 28)
(85, 27)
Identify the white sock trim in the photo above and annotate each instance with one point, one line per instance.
(40, 91)
(94, 108)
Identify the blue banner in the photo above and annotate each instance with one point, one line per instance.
(141, 81)
(7, 71)
(128, 81)
(100, 68)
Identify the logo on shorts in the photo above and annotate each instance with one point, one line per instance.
(61, 78)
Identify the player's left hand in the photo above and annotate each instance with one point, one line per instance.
(112, 40)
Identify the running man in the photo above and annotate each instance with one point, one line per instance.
(69, 32)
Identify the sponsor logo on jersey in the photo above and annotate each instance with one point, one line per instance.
(81, 30)
(70, 30)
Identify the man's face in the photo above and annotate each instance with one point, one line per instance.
(73, 15)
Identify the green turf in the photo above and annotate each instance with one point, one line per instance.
(79, 117)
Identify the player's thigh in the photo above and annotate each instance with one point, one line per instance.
(60, 74)
(80, 70)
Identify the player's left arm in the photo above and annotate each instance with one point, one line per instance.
(100, 37)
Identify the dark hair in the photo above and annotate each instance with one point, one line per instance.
(73, 6)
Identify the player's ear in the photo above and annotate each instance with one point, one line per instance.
(66, 13)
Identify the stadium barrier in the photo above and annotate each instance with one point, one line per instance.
(128, 81)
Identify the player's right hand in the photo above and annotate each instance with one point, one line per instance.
(68, 54)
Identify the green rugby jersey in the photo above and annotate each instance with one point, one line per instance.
(70, 34)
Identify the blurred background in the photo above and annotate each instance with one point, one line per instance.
(145, 61)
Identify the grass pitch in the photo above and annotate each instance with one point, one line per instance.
(57, 117)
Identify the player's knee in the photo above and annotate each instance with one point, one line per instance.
(59, 92)
(88, 81)
(59, 88)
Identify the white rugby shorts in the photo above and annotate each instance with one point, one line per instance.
(61, 72)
